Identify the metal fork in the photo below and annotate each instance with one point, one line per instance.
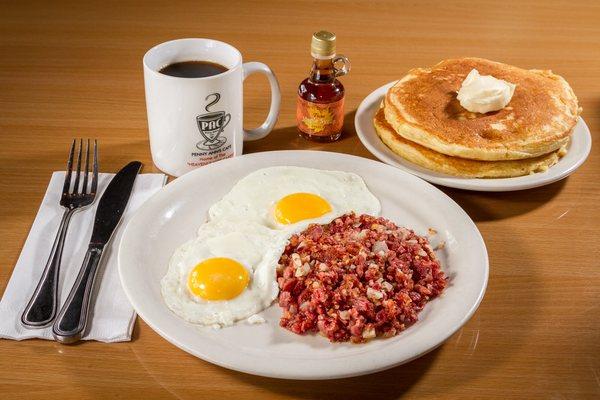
(41, 309)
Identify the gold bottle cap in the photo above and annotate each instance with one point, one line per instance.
(323, 44)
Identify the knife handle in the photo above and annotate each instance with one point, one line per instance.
(72, 319)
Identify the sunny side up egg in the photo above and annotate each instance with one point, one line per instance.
(225, 274)
(291, 198)
(228, 272)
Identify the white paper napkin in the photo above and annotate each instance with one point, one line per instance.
(112, 315)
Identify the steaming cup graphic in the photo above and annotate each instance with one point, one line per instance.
(211, 125)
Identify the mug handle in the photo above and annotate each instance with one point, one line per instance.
(263, 130)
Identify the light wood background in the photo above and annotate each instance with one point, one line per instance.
(71, 69)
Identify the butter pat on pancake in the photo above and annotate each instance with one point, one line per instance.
(423, 108)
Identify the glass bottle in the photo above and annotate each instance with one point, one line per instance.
(320, 105)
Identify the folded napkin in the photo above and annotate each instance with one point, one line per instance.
(112, 315)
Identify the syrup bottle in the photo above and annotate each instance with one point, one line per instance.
(320, 105)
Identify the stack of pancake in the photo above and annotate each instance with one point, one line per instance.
(421, 120)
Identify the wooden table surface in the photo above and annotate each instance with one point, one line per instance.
(74, 69)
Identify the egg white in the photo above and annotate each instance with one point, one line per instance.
(254, 197)
(255, 247)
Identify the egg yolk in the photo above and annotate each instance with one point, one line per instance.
(218, 278)
(299, 206)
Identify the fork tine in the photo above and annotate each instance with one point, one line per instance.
(76, 185)
(87, 168)
(95, 169)
(67, 183)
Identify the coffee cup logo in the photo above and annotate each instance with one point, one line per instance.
(211, 125)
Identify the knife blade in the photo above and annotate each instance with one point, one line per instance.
(72, 319)
(113, 202)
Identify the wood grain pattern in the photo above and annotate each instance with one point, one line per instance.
(72, 68)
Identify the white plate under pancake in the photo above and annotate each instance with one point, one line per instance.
(579, 149)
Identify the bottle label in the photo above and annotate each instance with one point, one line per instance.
(318, 119)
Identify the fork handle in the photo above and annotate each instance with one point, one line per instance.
(72, 319)
(41, 309)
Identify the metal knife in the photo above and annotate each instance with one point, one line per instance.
(72, 319)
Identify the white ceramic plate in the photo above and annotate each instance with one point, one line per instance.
(579, 148)
(173, 215)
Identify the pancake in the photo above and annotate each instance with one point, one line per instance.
(423, 108)
(457, 166)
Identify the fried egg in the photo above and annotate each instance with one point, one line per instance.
(228, 272)
(225, 274)
(291, 198)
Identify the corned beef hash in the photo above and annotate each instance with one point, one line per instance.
(356, 278)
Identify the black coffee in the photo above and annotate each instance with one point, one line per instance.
(193, 69)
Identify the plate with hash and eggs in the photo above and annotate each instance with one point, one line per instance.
(303, 265)
(476, 124)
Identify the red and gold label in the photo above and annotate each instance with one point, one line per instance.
(320, 119)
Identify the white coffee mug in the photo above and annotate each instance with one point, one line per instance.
(196, 121)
